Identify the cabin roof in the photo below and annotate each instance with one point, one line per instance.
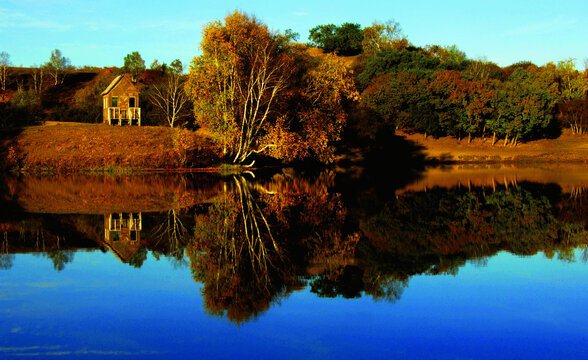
(123, 250)
(113, 84)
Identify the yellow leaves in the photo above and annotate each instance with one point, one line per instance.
(381, 36)
(331, 82)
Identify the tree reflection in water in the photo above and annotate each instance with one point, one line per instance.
(171, 236)
(252, 243)
(235, 255)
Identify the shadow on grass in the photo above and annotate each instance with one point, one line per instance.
(8, 151)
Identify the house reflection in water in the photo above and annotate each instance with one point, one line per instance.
(122, 234)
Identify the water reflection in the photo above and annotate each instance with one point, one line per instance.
(122, 234)
(252, 242)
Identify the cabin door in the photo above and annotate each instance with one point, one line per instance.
(132, 102)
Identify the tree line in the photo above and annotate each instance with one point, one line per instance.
(261, 93)
(439, 91)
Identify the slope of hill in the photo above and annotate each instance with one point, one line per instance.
(100, 147)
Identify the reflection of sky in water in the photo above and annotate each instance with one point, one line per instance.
(514, 307)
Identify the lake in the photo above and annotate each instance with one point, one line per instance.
(455, 262)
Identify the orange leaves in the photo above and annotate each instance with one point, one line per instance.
(329, 85)
(330, 82)
(237, 82)
(257, 92)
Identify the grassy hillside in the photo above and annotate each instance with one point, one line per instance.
(76, 99)
(74, 146)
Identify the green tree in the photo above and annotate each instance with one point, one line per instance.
(60, 258)
(572, 84)
(394, 61)
(401, 101)
(155, 65)
(57, 66)
(138, 258)
(323, 36)
(451, 57)
(344, 40)
(134, 64)
(524, 105)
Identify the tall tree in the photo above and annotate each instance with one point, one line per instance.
(37, 73)
(236, 82)
(134, 64)
(524, 104)
(257, 91)
(170, 96)
(4, 64)
(572, 84)
(57, 66)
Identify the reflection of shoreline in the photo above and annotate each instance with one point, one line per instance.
(251, 243)
(104, 194)
(571, 178)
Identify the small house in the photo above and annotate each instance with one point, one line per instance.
(120, 103)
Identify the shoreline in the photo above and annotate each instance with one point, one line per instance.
(99, 148)
(567, 148)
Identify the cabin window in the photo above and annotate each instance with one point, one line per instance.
(114, 101)
(132, 101)
(115, 236)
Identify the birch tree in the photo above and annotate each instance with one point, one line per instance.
(37, 73)
(4, 64)
(237, 81)
(258, 92)
(170, 95)
(57, 66)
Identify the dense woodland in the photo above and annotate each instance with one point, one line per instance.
(260, 92)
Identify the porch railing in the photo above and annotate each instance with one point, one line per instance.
(124, 115)
(131, 222)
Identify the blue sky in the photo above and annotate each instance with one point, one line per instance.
(101, 33)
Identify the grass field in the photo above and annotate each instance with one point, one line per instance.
(566, 148)
(76, 146)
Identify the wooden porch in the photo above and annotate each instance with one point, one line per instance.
(121, 116)
(122, 221)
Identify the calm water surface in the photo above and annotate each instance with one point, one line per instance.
(449, 263)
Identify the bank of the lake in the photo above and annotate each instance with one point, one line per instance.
(74, 147)
(100, 147)
(567, 147)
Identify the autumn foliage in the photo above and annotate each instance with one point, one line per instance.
(250, 84)
(438, 91)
